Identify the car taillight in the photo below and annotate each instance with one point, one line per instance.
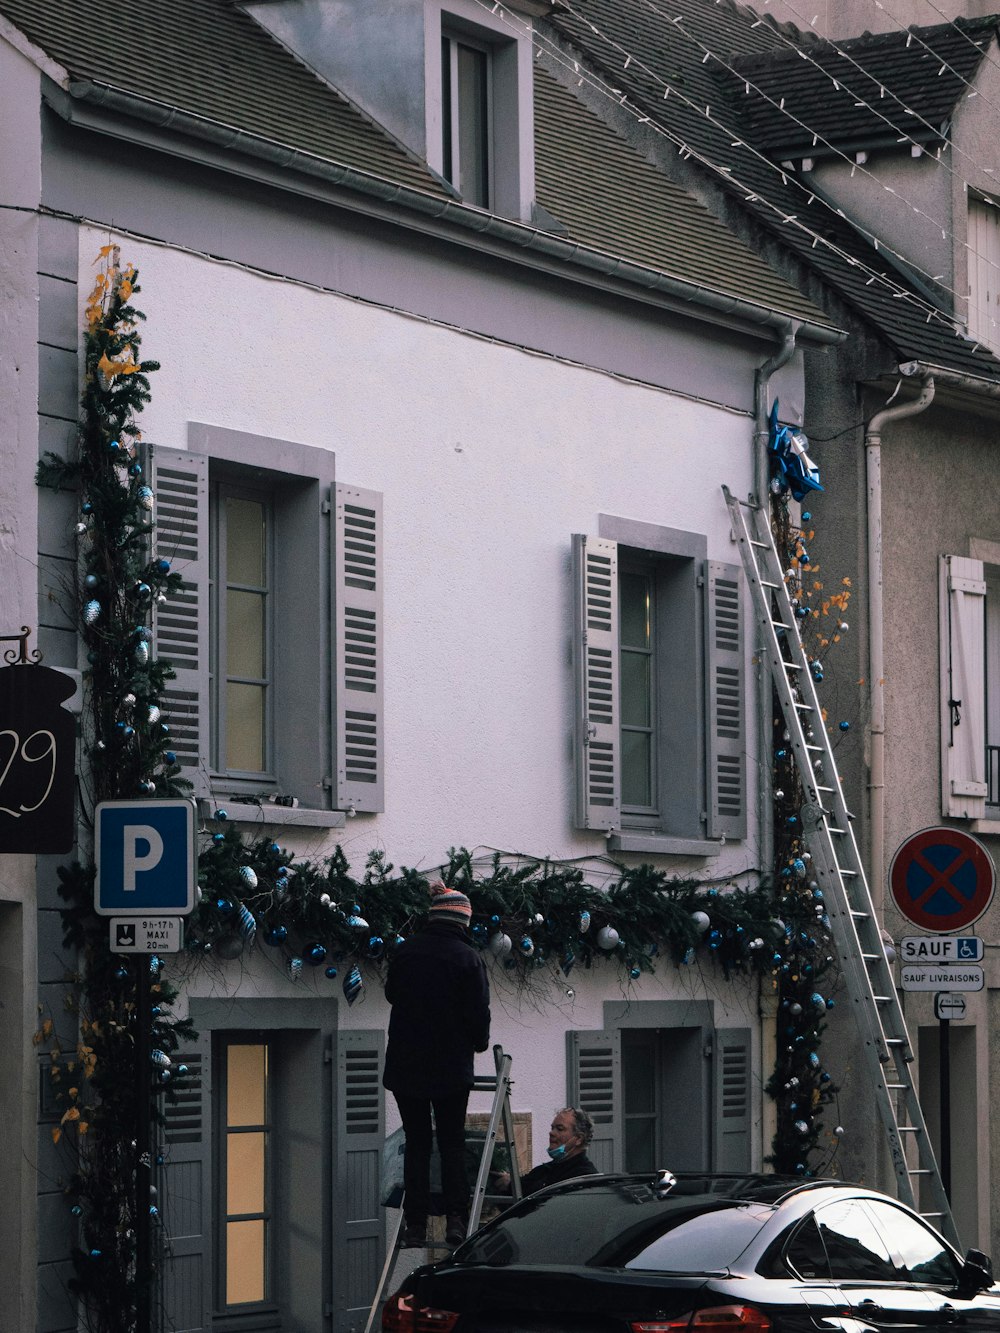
(400, 1316)
(716, 1319)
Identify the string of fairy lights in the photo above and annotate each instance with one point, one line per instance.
(549, 48)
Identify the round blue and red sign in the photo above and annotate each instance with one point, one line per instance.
(942, 879)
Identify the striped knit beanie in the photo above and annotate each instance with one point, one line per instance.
(449, 905)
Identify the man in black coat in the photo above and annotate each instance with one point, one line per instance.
(440, 996)
(569, 1137)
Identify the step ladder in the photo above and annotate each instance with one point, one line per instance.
(840, 873)
(499, 1084)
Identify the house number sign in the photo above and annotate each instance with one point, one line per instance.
(37, 752)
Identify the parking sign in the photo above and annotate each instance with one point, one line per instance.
(145, 858)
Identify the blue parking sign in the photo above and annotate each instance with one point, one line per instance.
(144, 852)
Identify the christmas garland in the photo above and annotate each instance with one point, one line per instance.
(539, 919)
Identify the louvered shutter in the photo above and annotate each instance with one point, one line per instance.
(725, 704)
(180, 627)
(358, 649)
(595, 662)
(185, 1197)
(594, 1074)
(731, 1111)
(359, 1237)
(963, 687)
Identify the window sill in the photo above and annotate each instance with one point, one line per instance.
(985, 826)
(663, 844)
(272, 816)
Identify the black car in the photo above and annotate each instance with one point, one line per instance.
(704, 1254)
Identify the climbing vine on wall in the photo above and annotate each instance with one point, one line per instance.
(539, 919)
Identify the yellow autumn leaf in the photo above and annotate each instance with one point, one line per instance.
(125, 289)
(104, 251)
(846, 582)
(72, 1114)
(73, 1092)
(56, 1133)
(82, 1127)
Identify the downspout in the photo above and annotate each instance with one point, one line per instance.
(876, 641)
(762, 497)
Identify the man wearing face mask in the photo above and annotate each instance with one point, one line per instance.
(569, 1136)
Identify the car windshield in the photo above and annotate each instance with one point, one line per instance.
(620, 1225)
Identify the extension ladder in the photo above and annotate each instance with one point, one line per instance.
(500, 1085)
(840, 873)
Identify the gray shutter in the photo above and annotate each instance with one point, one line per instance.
(731, 1118)
(359, 1227)
(725, 702)
(963, 687)
(357, 585)
(180, 627)
(185, 1197)
(594, 1077)
(595, 664)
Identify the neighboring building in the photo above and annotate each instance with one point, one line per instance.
(866, 172)
(436, 335)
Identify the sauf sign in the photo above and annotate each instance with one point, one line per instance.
(145, 857)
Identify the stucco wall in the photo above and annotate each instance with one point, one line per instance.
(488, 458)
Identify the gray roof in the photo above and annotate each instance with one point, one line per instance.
(908, 84)
(211, 60)
(673, 52)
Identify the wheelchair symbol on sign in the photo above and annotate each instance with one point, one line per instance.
(967, 949)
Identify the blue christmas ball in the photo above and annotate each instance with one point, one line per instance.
(376, 946)
(169, 757)
(91, 581)
(331, 972)
(224, 905)
(315, 953)
(163, 566)
(845, 726)
(275, 934)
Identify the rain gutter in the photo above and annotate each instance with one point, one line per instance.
(762, 497)
(876, 629)
(420, 202)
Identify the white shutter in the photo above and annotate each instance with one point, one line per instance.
(180, 627)
(185, 1195)
(725, 703)
(358, 706)
(731, 1118)
(984, 271)
(963, 687)
(595, 660)
(358, 1222)
(594, 1080)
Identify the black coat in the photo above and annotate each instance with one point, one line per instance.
(550, 1173)
(440, 997)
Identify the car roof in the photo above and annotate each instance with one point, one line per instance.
(729, 1187)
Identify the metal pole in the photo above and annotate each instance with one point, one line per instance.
(143, 1154)
(945, 1060)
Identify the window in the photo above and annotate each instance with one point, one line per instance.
(246, 1267)
(660, 755)
(466, 102)
(853, 1244)
(278, 624)
(478, 110)
(663, 1087)
(970, 687)
(984, 271)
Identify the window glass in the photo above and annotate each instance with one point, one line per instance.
(241, 562)
(853, 1244)
(246, 1132)
(924, 1256)
(465, 121)
(635, 609)
(805, 1253)
(619, 1225)
(640, 1099)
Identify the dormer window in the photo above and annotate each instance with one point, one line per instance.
(466, 115)
(478, 104)
(984, 270)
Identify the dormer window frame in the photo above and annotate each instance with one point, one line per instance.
(467, 151)
(504, 38)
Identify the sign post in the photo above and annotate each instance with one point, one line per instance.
(145, 858)
(943, 879)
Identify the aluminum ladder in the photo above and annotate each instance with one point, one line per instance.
(500, 1085)
(838, 869)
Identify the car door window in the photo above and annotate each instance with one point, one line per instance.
(922, 1257)
(855, 1248)
(805, 1253)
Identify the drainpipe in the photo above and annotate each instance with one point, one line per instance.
(876, 643)
(762, 496)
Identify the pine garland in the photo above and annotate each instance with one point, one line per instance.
(539, 919)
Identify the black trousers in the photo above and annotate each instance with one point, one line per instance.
(449, 1125)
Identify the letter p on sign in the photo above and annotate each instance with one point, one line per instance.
(145, 854)
(136, 835)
